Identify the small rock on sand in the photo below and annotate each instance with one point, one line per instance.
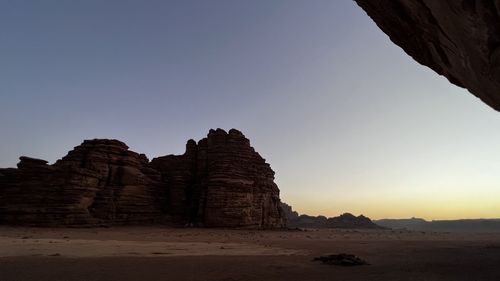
(341, 259)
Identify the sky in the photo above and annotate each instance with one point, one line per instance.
(346, 119)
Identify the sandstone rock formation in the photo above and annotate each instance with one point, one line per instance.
(459, 39)
(345, 220)
(221, 181)
(100, 181)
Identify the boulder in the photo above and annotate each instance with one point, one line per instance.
(341, 259)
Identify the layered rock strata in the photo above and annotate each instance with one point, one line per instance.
(459, 39)
(220, 181)
(100, 181)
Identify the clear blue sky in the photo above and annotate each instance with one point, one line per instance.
(346, 119)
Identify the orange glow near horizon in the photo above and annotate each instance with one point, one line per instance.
(467, 204)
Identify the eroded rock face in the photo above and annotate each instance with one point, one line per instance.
(178, 174)
(240, 184)
(100, 181)
(459, 39)
(221, 181)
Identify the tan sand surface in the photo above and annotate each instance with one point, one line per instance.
(102, 248)
(158, 253)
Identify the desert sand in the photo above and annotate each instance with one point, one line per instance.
(156, 253)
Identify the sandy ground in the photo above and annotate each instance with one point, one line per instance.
(155, 253)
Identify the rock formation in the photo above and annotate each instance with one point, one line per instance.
(341, 259)
(100, 181)
(222, 182)
(459, 39)
(345, 220)
(219, 181)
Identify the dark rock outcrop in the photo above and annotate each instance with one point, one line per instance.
(341, 259)
(459, 39)
(221, 181)
(346, 220)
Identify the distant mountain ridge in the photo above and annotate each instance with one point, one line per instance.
(345, 220)
(462, 225)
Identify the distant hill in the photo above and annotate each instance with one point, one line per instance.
(345, 220)
(465, 225)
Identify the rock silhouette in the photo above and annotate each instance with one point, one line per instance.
(345, 220)
(220, 182)
(457, 39)
(341, 259)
